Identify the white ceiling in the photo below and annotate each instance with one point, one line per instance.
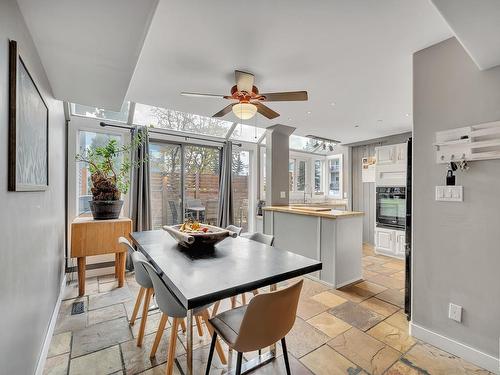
(357, 54)
(89, 48)
(476, 25)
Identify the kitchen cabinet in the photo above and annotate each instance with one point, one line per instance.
(385, 155)
(390, 167)
(390, 242)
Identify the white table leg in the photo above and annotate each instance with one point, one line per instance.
(189, 349)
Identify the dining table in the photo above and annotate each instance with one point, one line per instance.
(202, 276)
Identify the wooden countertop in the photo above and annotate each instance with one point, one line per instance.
(325, 212)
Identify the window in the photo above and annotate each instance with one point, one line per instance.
(262, 173)
(86, 111)
(247, 133)
(87, 139)
(318, 176)
(297, 171)
(302, 143)
(181, 121)
(335, 176)
(241, 182)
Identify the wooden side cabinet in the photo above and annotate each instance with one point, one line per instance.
(96, 237)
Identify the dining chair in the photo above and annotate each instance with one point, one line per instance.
(235, 229)
(266, 239)
(145, 293)
(171, 307)
(266, 320)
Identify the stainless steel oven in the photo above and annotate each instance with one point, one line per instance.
(391, 206)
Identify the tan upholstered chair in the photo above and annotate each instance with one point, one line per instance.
(266, 320)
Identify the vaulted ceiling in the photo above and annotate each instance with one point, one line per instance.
(353, 57)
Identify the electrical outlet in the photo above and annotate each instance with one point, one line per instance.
(282, 194)
(455, 312)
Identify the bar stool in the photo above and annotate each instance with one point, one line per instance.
(170, 307)
(266, 320)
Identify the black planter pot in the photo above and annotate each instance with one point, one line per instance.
(106, 210)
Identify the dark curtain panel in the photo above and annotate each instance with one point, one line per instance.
(140, 190)
(225, 207)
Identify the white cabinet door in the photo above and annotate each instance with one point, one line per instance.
(385, 155)
(400, 156)
(400, 244)
(384, 240)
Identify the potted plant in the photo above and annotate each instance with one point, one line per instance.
(109, 167)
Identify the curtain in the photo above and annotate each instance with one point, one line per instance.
(140, 190)
(225, 207)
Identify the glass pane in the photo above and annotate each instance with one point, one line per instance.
(175, 120)
(83, 110)
(201, 178)
(317, 176)
(301, 176)
(302, 143)
(241, 170)
(165, 180)
(334, 177)
(85, 141)
(291, 174)
(247, 133)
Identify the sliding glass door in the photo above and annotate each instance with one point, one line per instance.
(166, 184)
(184, 183)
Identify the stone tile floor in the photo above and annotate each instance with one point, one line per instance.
(358, 329)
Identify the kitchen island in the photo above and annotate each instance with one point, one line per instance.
(331, 236)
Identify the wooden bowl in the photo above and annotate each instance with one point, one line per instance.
(198, 240)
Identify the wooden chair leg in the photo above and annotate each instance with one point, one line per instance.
(211, 353)
(238, 363)
(159, 334)
(145, 309)
(215, 308)
(171, 346)
(285, 356)
(137, 305)
(255, 292)
(218, 346)
(233, 302)
(198, 326)
(183, 325)
(244, 298)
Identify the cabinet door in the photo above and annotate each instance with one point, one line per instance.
(384, 240)
(400, 244)
(385, 155)
(401, 153)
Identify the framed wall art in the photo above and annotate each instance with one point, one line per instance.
(28, 129)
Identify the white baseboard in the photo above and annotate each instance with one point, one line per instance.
(50, 331)
(352, 281)
(468, 353)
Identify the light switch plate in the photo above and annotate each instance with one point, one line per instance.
(450, 193)
(282, 194)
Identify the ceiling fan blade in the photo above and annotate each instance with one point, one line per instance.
(265, 111)
(197, 94)
(244, 81)
(285, 96)
(224, 111)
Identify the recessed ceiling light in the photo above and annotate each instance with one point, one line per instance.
(356, 125)
(289, 119)
(309, 112)
(379, 120)
(407, 115)
(332, 104)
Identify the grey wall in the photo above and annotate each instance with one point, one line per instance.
(31, 223)
(363, 194)
(456, 250)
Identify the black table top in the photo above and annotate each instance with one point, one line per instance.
(233, 266)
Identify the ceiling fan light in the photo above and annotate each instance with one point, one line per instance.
(244, 111)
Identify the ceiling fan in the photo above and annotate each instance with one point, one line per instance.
(249, 100)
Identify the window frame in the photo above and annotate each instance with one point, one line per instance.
(341, 176)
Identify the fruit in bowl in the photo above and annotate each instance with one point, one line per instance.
(192, 234)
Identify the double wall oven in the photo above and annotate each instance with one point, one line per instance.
(391, 207)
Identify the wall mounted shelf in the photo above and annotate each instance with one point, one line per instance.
(475, 142)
